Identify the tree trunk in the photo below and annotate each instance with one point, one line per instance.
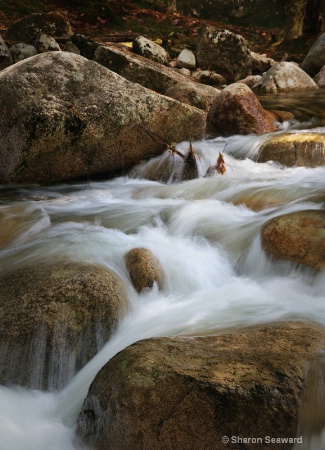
(296, 11)
(315, 17)
(322, 16)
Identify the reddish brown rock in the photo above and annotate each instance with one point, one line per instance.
(237, 111)
(298, 237)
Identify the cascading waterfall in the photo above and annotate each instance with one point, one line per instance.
(216, 275)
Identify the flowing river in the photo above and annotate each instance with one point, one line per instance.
(206, 234)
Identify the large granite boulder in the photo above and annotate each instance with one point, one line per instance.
(298, 237)
(283, 77)
(25, 30)
(315, 58)
(133, 67)
(188, 393)
(54, 319)
(236, 110)
(73, 118)
(294, 149)
(200, 96)
(136, 68)
(225, 52)
(19, 221)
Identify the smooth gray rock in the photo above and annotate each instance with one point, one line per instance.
(186, 59)
(315, 58)
(285, 76)
(22, 51)
(151, 50)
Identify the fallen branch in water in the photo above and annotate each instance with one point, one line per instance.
(173, 151)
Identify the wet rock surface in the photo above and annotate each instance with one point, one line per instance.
(54, 319)
(187, 393)
(298, 237)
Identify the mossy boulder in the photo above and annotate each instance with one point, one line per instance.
(54, 319)
(27, 28)
(187, 393)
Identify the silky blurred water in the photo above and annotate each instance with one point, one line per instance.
(206, 234)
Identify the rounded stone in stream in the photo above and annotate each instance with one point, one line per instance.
(187, 393)
(298, 237)
(294, 149)
(144, 268)
(54, 319)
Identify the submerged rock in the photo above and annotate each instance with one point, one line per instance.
(298, 237)
(187, 393)
(54, 319)
(74, 118)
(294, 149)
(144, 269)
(20, 220)
(237, 111)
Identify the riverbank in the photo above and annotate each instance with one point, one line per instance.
(173, 29)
